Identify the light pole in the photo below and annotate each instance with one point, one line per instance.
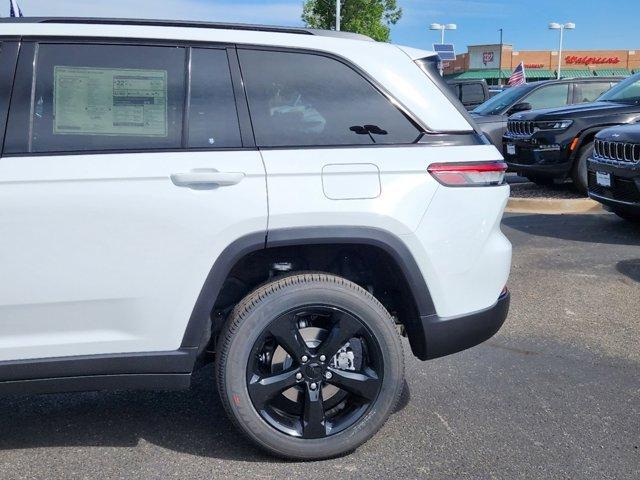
(338, 15)
(561, 27)
(442, 27)
(500, 60)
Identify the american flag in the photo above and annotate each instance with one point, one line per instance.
(518, 76)
(14, 9)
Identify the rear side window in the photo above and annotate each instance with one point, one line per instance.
(299, 99)
(472, 93)
(107, 97)
(548, 97)
(455, 89)
(588, 92)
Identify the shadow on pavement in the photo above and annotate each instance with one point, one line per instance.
(601, 228)
(630, 268)
(191, 422)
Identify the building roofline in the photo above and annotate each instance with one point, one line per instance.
(185, 24)
(491, 45)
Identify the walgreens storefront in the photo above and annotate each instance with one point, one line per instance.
(494, 63)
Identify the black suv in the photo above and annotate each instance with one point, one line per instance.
(553, 144)
(614, 170)
(492, 115)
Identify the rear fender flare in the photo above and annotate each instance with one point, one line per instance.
(199, 322)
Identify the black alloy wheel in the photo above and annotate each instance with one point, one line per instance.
(309, 366)
(293, 393)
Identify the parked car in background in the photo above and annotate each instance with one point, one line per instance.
(554, 144)
(492, 115)
(471, 93)
(614, 171)
(497, 89)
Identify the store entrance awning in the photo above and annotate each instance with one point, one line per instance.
(539, 74)
(576, 72)
(488, 74)
(612, 72)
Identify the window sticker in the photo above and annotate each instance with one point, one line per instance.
(105, 101)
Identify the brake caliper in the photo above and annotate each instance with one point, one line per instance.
(349, 357)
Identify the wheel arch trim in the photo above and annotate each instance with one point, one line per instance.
(388, 242)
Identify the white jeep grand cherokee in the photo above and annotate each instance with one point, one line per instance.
(280, 200)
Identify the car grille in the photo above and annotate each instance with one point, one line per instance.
(619, 151)
(520, 127)
(622, 189)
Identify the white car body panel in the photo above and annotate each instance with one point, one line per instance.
(104, 254)
(453, 233)
(461, 250)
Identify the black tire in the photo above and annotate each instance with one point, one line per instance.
(579, 170)
(253, 319)
(543, 181)
(628, 216)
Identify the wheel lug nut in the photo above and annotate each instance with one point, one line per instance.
(328, 375)
(298, 376)
(304, 359)
(322, 358)
(313, 386)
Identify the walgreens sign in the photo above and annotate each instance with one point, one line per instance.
(586, 60)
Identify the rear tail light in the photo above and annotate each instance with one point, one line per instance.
(469, 174)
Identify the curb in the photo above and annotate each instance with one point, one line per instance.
(553, 206)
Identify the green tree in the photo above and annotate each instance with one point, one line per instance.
(368, 17)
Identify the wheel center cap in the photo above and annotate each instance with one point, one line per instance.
(313, 371)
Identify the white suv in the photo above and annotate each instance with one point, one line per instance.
(283, 201)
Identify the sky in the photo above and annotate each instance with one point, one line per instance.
(524, 21)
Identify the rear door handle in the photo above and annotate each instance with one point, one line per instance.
(206, 179)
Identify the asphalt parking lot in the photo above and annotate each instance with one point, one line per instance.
(556, 394)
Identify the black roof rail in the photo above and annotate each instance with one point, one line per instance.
(185, 24)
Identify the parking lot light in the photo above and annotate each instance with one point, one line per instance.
(442, 27)
(561, 27)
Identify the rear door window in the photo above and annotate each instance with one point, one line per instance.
(106, 97)
(455, 89)
(300, 99)
(472, 93)
(588, 92)
(102, 98)
(549, 96)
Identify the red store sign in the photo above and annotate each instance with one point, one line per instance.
(487, 57)
(586, 60)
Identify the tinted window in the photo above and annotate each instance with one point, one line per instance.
(213, 120)
(548, 97)
(107, 97)
(472, 93)
(507, 98)
(8, 55)
(300, 99)
(455, 89)
(627, 91)
(588, 92)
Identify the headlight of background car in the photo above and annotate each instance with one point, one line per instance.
(557, 125)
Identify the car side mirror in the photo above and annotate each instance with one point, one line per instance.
(520, 107)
